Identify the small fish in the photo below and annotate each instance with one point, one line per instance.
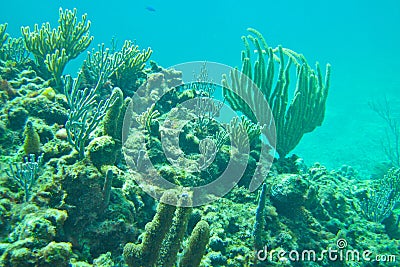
(150, 8)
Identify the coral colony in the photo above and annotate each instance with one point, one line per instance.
(100, 168)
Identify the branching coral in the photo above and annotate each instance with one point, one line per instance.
(391, 146)
(383, 198)
(243, 132)
(26, 174)
(292, 120)
(14, 50)
(123, 68)
(54, 48)
(85, 112)
(147, 117)
(3, 34)
(101, 64)
(130, 71)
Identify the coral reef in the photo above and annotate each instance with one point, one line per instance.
(74, 152)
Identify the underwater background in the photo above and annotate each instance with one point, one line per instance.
(87, 202)
(360, 39)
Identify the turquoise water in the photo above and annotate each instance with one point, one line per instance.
(93, 191)
(360, 39)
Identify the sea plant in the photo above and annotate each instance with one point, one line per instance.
(146, 118)
(293, 119)
(164, 235)
(53, 48)
(383, 197)
(243, 132)
(131, 70)
(14, 50)
(102, 63)
(3, 34)
(25, 173)
(85, 112)
(391, 146)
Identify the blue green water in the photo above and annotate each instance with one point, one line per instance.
(360, 39)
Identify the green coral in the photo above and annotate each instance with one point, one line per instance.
(14, 50)
(56, 63)
(165, 233)
(130, 71)
(101, 64)
(383, 198)
(3, 34)
(123, 68)
(32, 140)
(172, 243)
(111, 119)
(243, 133)
(197, 245)
(293, 119)
(56, 254)
(260, 219)
(146, 118)
(101, 151)
(54, 48)
(145, 254)
(26, 174)
(85, 112)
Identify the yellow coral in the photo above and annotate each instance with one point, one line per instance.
(32, 140)
(49, 92)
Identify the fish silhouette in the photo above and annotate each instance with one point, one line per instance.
(150, 8)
